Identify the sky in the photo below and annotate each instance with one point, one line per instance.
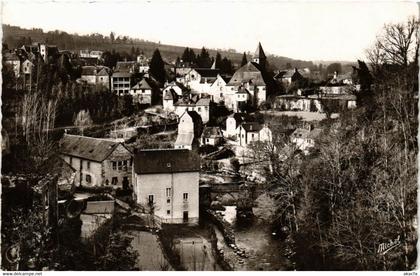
(307, 30)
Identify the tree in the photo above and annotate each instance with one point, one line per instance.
(244, 60)
(119, 254)
(83, 120)
(203, 59)
(218, 60)
(157, 67)
(112, 37)
(334, 67)
(398, 44)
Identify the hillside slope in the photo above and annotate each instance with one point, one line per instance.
(15, 36)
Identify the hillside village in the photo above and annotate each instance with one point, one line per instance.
(165, 146)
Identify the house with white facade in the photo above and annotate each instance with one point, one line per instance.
(169, 98)
(233, 121)
(253, 132)
(166, 183)
(190, 127)
(98, 162)
(218, 91)
(200, 80)
(201, 106)
(212, 136)
(121, 83)
(144, 92)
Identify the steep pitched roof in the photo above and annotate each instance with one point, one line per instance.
(207, 72)
(124, 66)
(166, 161)
(184, 139)
(212, 132)
(170, 95)
(143, 84)
(250, 72)
(94, 149)
(88, 70)
(259, 52)
(252, 127)
(241, 117)
(103, 71)
(121, 75)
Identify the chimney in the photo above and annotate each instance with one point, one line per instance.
(296, 70)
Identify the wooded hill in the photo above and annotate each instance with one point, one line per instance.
(15, 36)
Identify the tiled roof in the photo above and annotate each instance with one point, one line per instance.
(252, 127)
(212, 132)
(94, 149)
(170, 95)
(184, 139)
(247, 73)
(88, 71)
(207, 72)
(124, 66)
(143, 84)
(166, 161)
(121, 75)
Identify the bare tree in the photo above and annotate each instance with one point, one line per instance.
(397, 44)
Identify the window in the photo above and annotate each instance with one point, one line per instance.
(221, 95)
(168, 212)
(88, 179)
(125, 165)
(199, 109)
(168, 192)
(151, 199)
(168, 200)
(114, 180)
(88, 165)
(114, 165)
(208, 140)
(185, 196)
(119, 165)
(106, 182)
(252, 135)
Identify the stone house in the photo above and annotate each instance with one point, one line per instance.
(166, 183)
(98, 162)
(249, 77)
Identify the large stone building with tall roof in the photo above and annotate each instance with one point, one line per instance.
(98, 162)
(251, 78)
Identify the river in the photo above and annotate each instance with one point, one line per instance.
(263, 252)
